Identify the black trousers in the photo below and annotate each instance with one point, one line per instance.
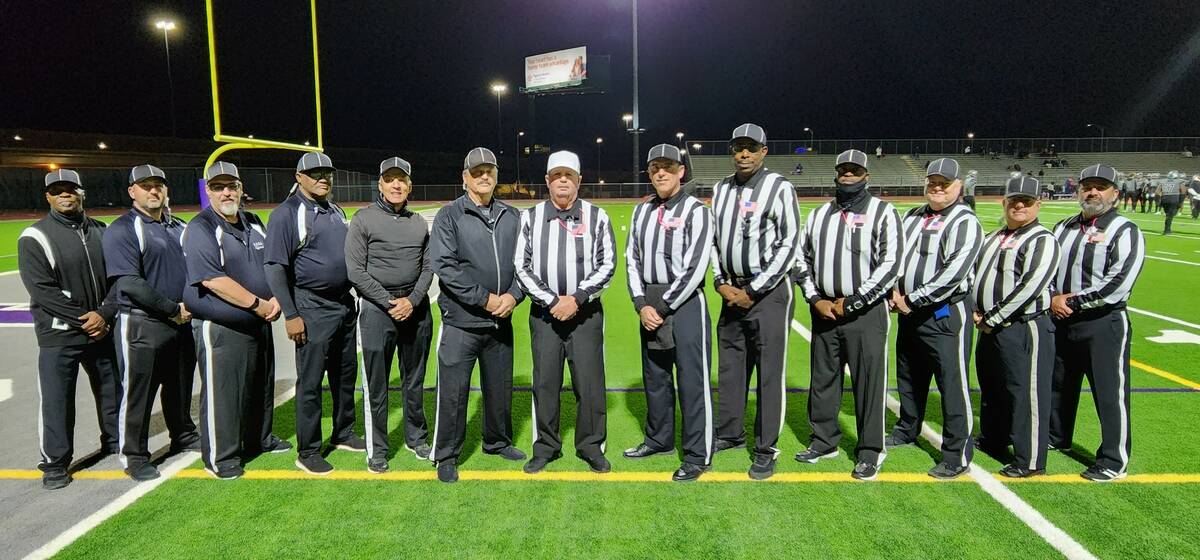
(237, 392)
(1096, 347)
(754, 339)
(859, 342)
(1015, 365)
(384, 339)
(153, 354)
(579, 341)
(692, 328)
(58, 370)
(1170, 206)
(938, 349)
(970, 200)
(1195, 208)
(331, 347)
(458, 350)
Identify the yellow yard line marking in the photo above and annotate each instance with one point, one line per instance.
(1169, 478)
(1165, 374)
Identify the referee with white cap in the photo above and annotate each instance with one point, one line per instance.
(387, 258)
(849, 261)
(565, 258)
(942, 240)
(1102, 255)
(757, 224)
(1014, 358)
(144, 258)
(666, 257)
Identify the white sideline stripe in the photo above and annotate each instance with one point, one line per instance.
(10, 273)
(6, 391)
(1172, 260)
(1031, 517)
(123, 501)
(1164, 318)
(1167, 253)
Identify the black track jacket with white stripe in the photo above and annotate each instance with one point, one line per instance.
(1014, 274)
(1101, 259)
(757, 224)
(668, 243)
(565, 252)
(940, 248)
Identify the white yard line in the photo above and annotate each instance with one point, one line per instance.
(1164, 318)
(1167, 253)
(1032, 518)
(1177, 261)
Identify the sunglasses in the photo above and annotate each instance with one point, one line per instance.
(851, 169)
(318, 175)
(218, 187)
(55, 190)
(749, 147)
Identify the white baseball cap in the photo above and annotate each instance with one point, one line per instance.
(563, 158)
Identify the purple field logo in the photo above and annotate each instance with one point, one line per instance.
(15, 314)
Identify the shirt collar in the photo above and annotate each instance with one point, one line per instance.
(669, 203)
(1102, 221)
(574, 213)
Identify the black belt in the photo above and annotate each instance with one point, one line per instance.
(1023, 318)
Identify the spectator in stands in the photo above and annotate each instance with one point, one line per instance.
(879, 151)
(1187, 152)
(967, 150)
(799, 170)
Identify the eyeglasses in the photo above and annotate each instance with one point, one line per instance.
(318, 175)
(481, 170)
(218, 187)
(938, 185)
(752, 147)
(855, 170)
(61, 188)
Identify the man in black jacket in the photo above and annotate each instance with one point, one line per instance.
(471, 249)
(61, 262)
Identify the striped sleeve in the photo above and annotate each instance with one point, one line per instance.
(604, 258)
(699, 235)
(1126, 253)
(523, 260)
(961, 249)
(1039, 268)
(787, 216)
(889, 241)
(633, 261)
(803, 274)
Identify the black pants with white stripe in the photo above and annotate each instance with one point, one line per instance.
(458, 350)
(1015, 365)
(58, 370)
(153, 354)
(383, 340)
(929, 348)
(859, 342)
(692, 330)
(331, 347)
(754, 339)
(1095, 346)
(1170, 207)
(579, 341)
(237, 392)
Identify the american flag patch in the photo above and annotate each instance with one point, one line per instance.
(855, 220)
(747, 206)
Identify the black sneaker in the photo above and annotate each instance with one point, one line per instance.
(1057, 447)
(894, 441)
(598, 464)
(422, 450)
(811, 455)
(642, 451)
(762, 468)
(1095, 473)
(227, 473)
(944, 471)
(447, 471)
(1012, 470)
(723, 444)
(142, 472)
(536, 465)
(314, 464)
(865, 471)
(510, 453)
(377, 466)
(688, 472)
(55, 480)
(193, 445)
(353, 443)
(277, 445)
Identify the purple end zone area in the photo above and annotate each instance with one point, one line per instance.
(15, 315)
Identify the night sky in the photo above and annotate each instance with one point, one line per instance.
(415, 75)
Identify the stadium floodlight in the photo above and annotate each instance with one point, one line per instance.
(53, 166)
(599, 144)
(696, 147)
(810, 136)
(17, 138)
(102, 146)
(520, 134)
(499, 88)
(599, 140)
(306, 143)
(166, 25)
(679, 137)
(970, 136)
(628, 119)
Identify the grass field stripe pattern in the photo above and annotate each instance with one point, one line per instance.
(1165, 374)
(1179, 322)
(1172, 260)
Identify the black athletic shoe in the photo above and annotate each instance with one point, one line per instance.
(865, 471)
(228, 473)
(447, 471)
(893, 441)
(55, 480)
(1057, 447)
(314, 464)
(598, 464)
(377, 466)
(762, 468)
(723, 444)
(642, 451)
(276, 445)
(688, 472)
(510, 453)
(536, 465)
(1095, 473)
(811, 455)
(193, 445)
(1012, 470)
(422, 450)
(354, 443)
(142, 472)
(944, 471)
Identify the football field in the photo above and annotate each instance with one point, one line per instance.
(812, 511)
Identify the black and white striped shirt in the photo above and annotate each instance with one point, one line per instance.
(668, 243)
(757, 227)
(1014, 274)
(851, 253)
(1101, 258)
(940, 248)
(565, 252)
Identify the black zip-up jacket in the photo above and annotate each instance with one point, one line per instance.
(61, 261)
(387, 254)
(472, 257)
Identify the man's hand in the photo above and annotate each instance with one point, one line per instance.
(94, 325)
(650, 318)
(272, 310)
(565, 309)
(493, 303)
(979, 324)
(296, 331)
(401, 309)
(182, 316)
(1059, 307)
(824, 309)
(899, 304)
(839, 307)
(504, 306)
(735, 296)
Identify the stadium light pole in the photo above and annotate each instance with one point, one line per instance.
(679, 140)
(166, 26)
(599, 144)
(635, 129)
(810, 137)
(520, 133)
(499, 88)
(696, 148)
(1101, 128)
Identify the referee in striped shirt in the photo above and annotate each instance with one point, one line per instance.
(564, 259)
(850, 258)
(666, 257)
(1014, 358)
(942, 240)
(757, 223)
(1102, 254)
